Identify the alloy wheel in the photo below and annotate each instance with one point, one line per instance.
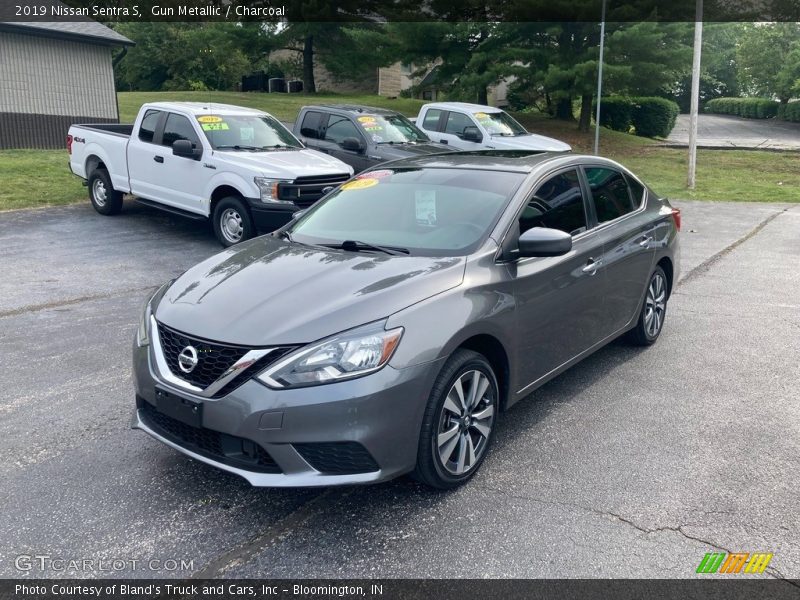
(655, 305)
(465, 422)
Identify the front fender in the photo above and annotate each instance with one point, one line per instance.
(246, 188)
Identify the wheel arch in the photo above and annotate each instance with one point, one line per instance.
(666, 264)
(492, 348)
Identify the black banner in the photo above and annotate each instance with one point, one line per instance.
(398, 10)
(398, 589)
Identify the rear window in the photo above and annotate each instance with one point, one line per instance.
(148, 127)
(610, 193)
(431, 121)
(311, 125)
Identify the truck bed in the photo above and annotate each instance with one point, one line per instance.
(123, 129)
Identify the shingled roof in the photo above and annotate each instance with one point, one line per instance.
(87, 31)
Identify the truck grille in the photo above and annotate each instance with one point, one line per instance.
(213, 359)
(221, 447)
(304, 191)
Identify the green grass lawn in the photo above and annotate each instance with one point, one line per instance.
(41, 177)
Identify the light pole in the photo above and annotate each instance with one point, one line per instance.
(698, 46)
(600, 79)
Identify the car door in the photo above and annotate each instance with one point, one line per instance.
(144, 154)
(453, 133)
(338, 129)
(559, 299)
(430, 123)
(627, 233)
(311, 128)
(182, 179)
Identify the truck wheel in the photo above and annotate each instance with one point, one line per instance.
(105, 199)
(232, 221)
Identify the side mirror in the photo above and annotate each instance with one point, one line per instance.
(353, 144)
(186, 149)
(472, 134)
(542, 241)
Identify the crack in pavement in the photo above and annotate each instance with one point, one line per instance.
(59, 303)
(704, 266)
(770, 571)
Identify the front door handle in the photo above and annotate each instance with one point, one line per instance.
(592, 266)
(645, 241)
(158, 159)
(442, 141)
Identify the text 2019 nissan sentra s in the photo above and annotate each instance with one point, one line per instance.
(383, 331)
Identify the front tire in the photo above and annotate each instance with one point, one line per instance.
(459, 421)
(654, 311)
(232, 221)
(105, 199)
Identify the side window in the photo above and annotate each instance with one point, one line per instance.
(637, 191)
(431, 121)
(558, 204)
(310, 127)
(178, 127)
(340, 128)
(609, 193)
(148, 127)
(457, 123)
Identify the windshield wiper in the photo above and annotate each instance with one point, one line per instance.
(355, 246)
(280, 147)
(237, 147)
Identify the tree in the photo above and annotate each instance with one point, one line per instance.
(768, 59)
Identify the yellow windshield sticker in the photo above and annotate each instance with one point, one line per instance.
(214, 126)
(359, 184)
(209, 119)
(366, 119)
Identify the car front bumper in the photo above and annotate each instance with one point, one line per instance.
(379, 415)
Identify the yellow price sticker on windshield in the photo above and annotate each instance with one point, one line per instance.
(366, 119)
(359, 184)
(209, 119)
(481, 115)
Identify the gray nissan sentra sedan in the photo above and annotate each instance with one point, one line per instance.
(383, 331)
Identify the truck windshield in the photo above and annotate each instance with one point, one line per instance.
(392, 129)
(246, 133)
(419, 211)
(500, 123)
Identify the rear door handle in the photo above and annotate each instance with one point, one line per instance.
(645, 241)
(592, 266)
(158, 159)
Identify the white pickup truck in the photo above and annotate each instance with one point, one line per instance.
(465, 126)
(240, 167)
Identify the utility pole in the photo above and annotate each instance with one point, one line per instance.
(698, 46)
(600, 80)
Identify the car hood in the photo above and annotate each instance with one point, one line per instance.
(288, 164)
(531, 141)
(395, 151)
(271, 292)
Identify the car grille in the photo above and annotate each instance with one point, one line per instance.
(221, 447)
(304, 191)
(338, 458)
(213, 359)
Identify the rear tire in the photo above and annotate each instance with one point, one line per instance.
(654, 311)
(459, 421)
(105, 199)
(232, 221)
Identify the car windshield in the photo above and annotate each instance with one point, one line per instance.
(421, 211)
(500, 123)
(392, 129)
(246, 133)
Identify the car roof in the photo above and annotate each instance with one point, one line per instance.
(204, 108)
(465, 106)
(518, 161)
(354, 108)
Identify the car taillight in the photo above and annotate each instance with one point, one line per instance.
(69, 144)
(676, 216)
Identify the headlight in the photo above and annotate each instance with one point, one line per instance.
(143, 332)
(269, 189)
(346, 355)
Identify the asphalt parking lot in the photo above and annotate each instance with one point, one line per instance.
(634, 463)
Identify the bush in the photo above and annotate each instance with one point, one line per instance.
(616, 112)
(789, 112)
(653, 116)
(749, 108)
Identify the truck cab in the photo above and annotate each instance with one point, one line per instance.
(237, 166)
(362, 136)
(466, 126)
